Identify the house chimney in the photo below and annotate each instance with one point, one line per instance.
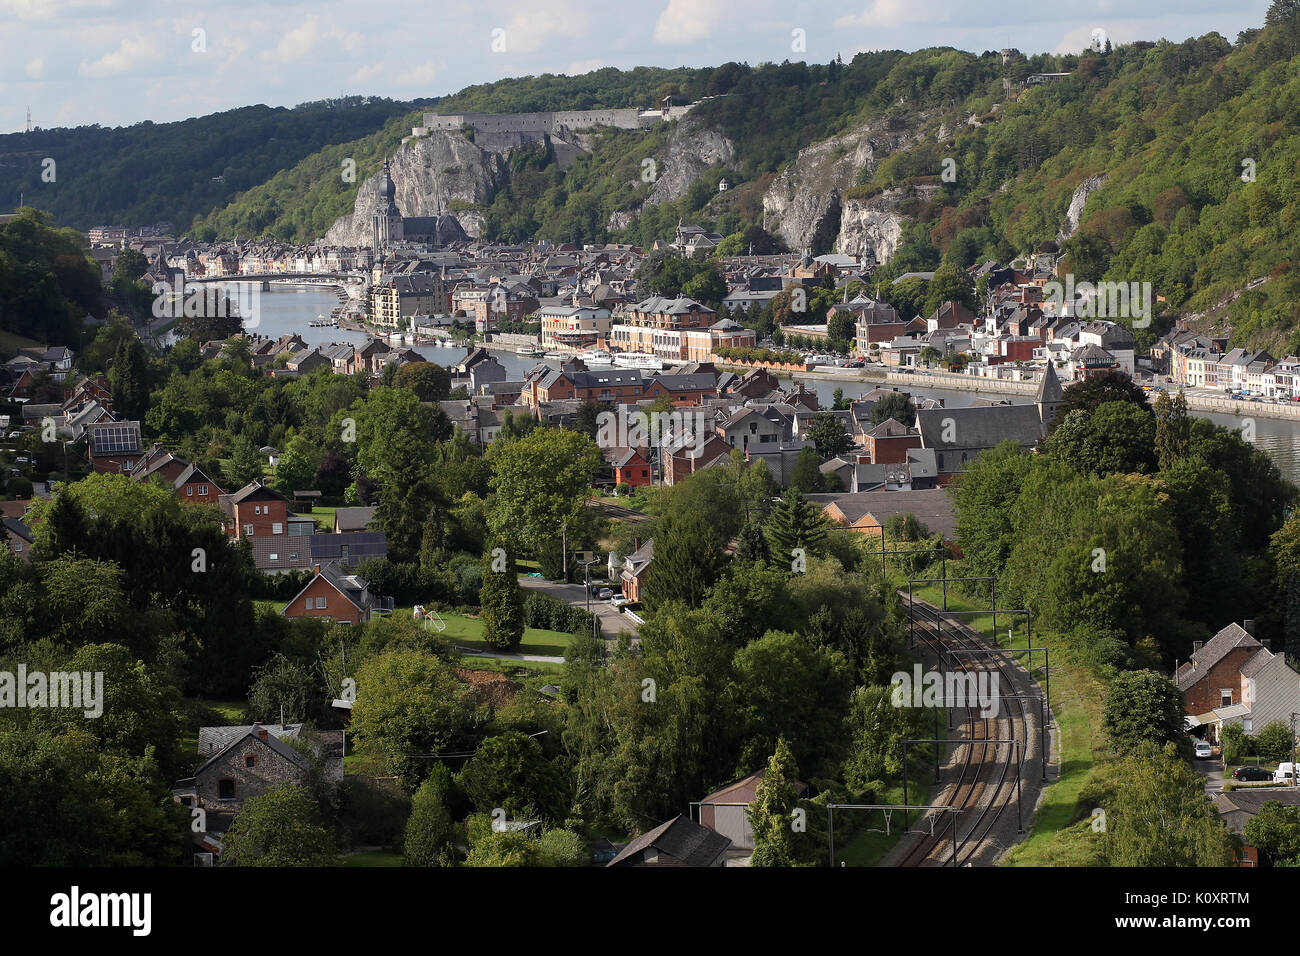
(1197, 645)
(1249, 626)
(262, 733)
(315, 569)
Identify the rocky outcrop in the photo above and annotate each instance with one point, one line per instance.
(807, 193)
(874, 226)
(431, 175)
(1077, 202)
(693, 148)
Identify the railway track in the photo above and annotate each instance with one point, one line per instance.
(987, 781)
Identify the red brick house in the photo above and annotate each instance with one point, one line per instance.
(1234, 679)
(698, 452)
(332, 593)
(635, 567)
(114, 447)
(255, 511)
(631, 466)
(888, 442)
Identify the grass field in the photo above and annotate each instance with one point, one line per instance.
(372, 858)
(468, 632)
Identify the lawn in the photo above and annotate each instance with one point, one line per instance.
(868, 846)
(468, 632)
(325, 516)
(1077, 705)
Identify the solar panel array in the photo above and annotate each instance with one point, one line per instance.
(116, 437)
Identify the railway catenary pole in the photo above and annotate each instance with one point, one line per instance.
(832, 807)
(1047, 661)
(972, 741)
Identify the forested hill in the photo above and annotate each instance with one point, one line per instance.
(152, 172)
(1193, 144)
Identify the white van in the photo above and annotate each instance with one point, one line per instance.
(1285, 773)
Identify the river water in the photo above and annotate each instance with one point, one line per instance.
(288, 308)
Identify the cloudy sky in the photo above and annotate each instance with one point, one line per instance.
(117, 62)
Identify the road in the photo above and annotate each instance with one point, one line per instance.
(1212, 771)
(611, 621)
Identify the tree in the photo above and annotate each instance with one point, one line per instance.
(429, 382)
(795, 523)
(1275, 832)
(285, 687)
(1273, 742)
(786, 686)
(895, 405)
(510, 772)
(687, 560)
(1173, 430)
(501, 600)
(751, 545)
(245, 463)
(507, 848)
(279, 828)
(807, 476)
(1117, 437)
(1090, 393)
(841, 330)
(771, 813)
(408, 703)
(541, 482)
(297, 467)
(129, 377)
(1142, 708)
(430, 832)
(877, 730)
(1159, 814)
(564, 848)
(828, 436)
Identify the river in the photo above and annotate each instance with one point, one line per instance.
(289, 308)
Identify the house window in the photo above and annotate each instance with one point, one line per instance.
(273, 556)
(293, 555)
(311, 603)
(248, 530)
(226, 789)
(1225, 697)
(203, 491)
(250, 760)
(189, 491)
(320, 604)
(277, 528)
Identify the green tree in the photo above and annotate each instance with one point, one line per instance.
(1159, 814)
(1173, 430)
(828, 436)
(1142, 708)
(1275, 832)
(687, 560)
(430, 382)
(1117, 437)
(794, 523)
(430, 832)
(806, 476)
(771, 813)
(279, 828)
(507, 848)
(895, 405)
(501, 600)
(1273, 742)
(510, 772)
(245, 463)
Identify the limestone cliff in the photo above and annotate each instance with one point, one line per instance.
(693, 147)
(874, 226)
(1077, 202)
(803, 204)
(431, 174)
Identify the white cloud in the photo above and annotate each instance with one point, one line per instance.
(532, 29)
(299, 41)
(422, 75)
(52, 9)
(133, 52)
(578, 67)
(366, 72)
(35, 68)
(687, 21)
(885, 13)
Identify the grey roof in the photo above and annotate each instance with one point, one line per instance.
(353, 519)
(979, 427)
(932, 507)
(360, 544)
(683, 842)
(1049, 388)
(1214, 650)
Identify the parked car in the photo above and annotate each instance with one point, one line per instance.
(1285, 773)
(855, 363)
(605, 594)
(1203, 750)
(1252, 773)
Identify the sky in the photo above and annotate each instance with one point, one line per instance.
(119, 62)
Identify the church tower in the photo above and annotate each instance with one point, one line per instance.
(386, 224)
(1050, 394)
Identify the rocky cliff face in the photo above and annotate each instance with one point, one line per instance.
(803, 203)
(693, 147)
(1077, 202)
(430, 174)
(875, 226)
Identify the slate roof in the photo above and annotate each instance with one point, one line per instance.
(979, 427)
(679, 842)
(1214, 650)
(932, 507)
